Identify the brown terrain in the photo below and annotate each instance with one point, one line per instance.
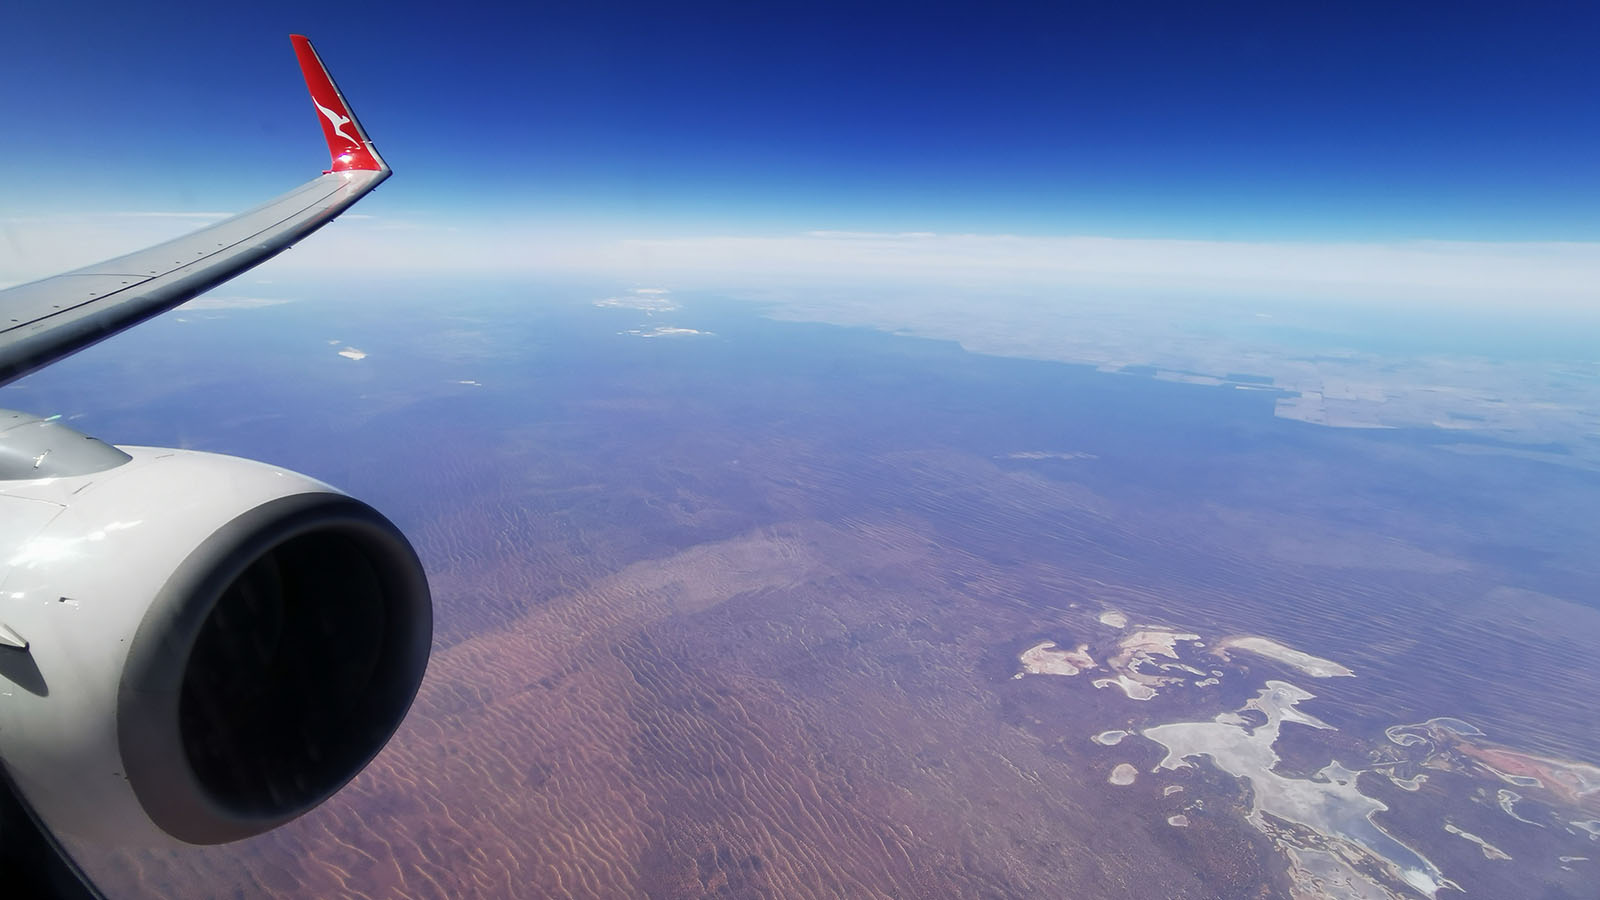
(757, 637)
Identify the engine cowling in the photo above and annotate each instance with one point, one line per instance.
(212, 646)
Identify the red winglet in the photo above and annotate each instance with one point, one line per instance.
(347, 141)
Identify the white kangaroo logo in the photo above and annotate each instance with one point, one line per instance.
(339, 122)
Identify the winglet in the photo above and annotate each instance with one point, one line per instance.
(348, 143)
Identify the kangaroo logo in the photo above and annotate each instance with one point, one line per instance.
(338, 122)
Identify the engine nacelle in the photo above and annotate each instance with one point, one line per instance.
(211, 646)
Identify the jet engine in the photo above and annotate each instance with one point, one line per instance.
(194, 648)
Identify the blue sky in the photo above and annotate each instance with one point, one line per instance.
(1245, 122)
(1217, 120)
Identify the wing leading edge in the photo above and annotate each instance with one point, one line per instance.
(46, 320)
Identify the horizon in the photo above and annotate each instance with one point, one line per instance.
(1413, 151)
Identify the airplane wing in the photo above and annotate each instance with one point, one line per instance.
(46, 320)
(159, 716)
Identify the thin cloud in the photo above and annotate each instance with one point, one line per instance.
(1551, 276)
(160, 214)
(1562, 275)
(228, 302)
(872, 235)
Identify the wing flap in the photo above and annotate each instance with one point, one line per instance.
(32, 302)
